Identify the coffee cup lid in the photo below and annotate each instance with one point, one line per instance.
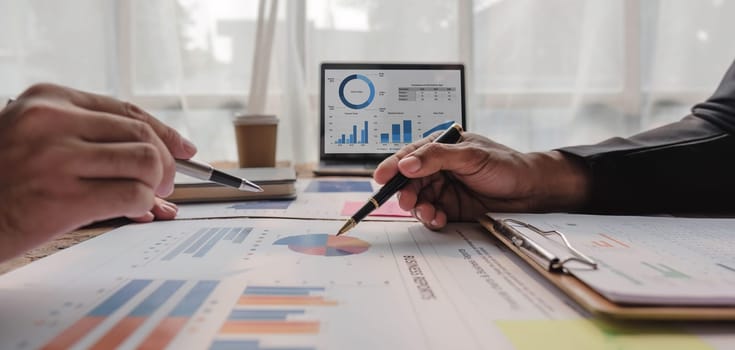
(255, 119)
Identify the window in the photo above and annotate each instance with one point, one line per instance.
(541, 74)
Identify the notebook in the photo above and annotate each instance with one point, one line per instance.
(369, 111)
(277, 183)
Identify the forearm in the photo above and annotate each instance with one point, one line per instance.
(563, 181)
(682, 167)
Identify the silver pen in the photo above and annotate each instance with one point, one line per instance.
(207, 172)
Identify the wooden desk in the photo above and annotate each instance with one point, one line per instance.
(77, 236)
(61, 242)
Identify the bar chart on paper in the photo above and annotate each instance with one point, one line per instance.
(286, 285)
(199, 244)
(262, 311)
(114, 329)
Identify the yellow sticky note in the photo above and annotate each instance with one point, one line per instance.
(594, 334)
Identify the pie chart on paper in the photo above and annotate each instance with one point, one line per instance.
(324, 244)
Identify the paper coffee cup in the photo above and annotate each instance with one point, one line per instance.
(256, 140)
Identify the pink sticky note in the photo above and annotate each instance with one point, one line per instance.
(389, 208)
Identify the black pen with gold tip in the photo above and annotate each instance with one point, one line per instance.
(452, 135)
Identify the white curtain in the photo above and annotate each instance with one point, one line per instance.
(544, 73)
(553, 73)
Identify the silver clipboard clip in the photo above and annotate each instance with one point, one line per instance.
(553, 262)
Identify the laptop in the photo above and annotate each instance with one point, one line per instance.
(368, 111)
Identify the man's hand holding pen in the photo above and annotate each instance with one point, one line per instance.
(463, 181)
(397, 180)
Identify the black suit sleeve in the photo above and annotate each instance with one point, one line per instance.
(687, 166)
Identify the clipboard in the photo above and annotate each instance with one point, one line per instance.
(591, 300)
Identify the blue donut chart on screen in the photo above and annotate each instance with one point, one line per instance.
(349, 104)
(371, 110)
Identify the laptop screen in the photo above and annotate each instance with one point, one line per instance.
(369, 111)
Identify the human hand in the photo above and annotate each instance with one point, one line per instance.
(162, 210)
(463, 181)
(70, 158)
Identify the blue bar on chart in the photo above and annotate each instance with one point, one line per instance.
(384, 138)
(261, 205)
(174, 322)
(205, 249)
(180, 248)
(122, 296)
(228, 344)
(396, 133)
(232, 234)
(263, 314)
(407, 131)
(100, 313)
(132, 322)
(150, 304)
(272, 290)
(353, 139)
(365, 134)
(244, 232)
(194, 299)
(199, 244)
(396, 136)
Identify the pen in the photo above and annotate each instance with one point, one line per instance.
(205, 171)
(452, 135)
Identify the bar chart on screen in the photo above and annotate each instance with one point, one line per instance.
(353, 138)
(400, 131)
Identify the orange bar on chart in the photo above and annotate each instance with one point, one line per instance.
(97, 315)
(72, 334)
(119, 333)
(130, 323)
(270, 327)
(163, 333)
(615, 240)
(176, 320)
